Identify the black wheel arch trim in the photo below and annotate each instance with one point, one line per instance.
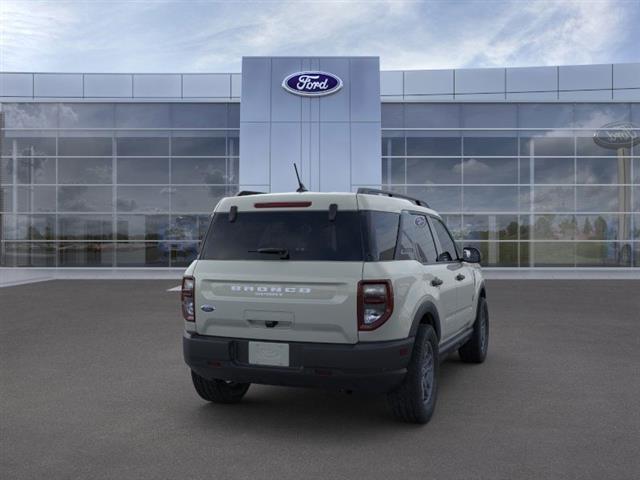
(427, 307)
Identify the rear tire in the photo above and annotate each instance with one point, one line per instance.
(475, 350)
(415, 399)
(219, 391)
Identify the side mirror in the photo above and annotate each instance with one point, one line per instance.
(471, 255)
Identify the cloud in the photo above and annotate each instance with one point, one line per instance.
(169, 36)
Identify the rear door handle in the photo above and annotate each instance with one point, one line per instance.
(436, 282)
(460, 277)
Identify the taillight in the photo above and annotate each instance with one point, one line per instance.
(375, 303)
(188, 298)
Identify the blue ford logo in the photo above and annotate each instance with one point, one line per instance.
(312, 84)
(207, 308)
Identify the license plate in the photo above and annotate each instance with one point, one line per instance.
(266, 353)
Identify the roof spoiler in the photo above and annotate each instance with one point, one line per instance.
(244, 193)
(385, 193)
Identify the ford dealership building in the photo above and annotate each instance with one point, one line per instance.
(537, 167)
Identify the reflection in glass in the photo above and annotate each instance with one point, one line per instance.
(434, 170)
(545, 115)
(554, 170)
(393, 144)
(636, 169)
(183, 253)
(442, 199)
(552, 254)
(490, 146)
(143, 227)
(142, 146)
(142, 254)
(199, 115)
(188, 227)
(143, 199)
(36, 199)
(198, 146)
(86, 115)
(143, 115)
(454, 224)
(393, 115)
(28, 227)
(393, 170)
(28, 146)
(490, 199)
(603, 198)
(604, 170)
(84, 170)
(196, 199)
(603, 254)
(546, 146)
(596, 115)
(496, 254)
(85, 227)
(85, 254)
(603, 227)
(30, 115)
(490, 170)
(37, 254)
(550, 199)
(490, 227)
(143, 170)
(418, 145)
(85, 146)
(487, 115)
(84, 199)
(554, 227)
(35, 170)
(425, 115)
(586, 146)
(199, 170)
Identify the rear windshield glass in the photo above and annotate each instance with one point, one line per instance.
(294, 235)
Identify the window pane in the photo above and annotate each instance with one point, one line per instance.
(6, 199)
(432, 146)
(497, 254)
(542, 115)
(603, 254)
(143, 227)
(604, 227)
(392, 144)
(198, 146)
(143, 199)
(30, 115)
(199, 170)
(585, 145)
(636, 227)
(85, 146)
(415, 239)
(442, 199)
(421, 115)
(28, 146)
(553, 199)
(392, 115)
(143, 170)
(636, 170)
(602, 198)
(381, 235)
(38, 254)
(183, 253)
(393, 170)
(28, 227)
(198, 115)
(447, 245)
(84, 199)
(489, 116)
(142, 115)
(494, 199)
(85, 227)
(554, 170)
(490, 227)
(86, 115)
(142, 146)
(542, 146)
(36, 170)
(434, 170)
(196, 199)
(554, 227)
(454, 224)
(490, 170)
(143, 254)
(36, 199)
(489, 146)
(596, 115)
(84, 170)
(188, 227)
(604, 170)
(85, 254)
(552, 254)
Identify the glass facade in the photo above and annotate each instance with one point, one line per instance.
(524, 183)
(132, 184)
(112, 184)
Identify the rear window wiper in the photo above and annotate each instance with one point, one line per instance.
(283, 252)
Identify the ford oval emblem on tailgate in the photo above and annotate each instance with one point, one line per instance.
(207, 308)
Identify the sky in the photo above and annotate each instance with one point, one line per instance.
(212, 36)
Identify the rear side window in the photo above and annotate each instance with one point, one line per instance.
(446, 242)
(380, 231)
(304, 235)
(415, 241)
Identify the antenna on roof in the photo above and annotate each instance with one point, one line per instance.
(301, 187)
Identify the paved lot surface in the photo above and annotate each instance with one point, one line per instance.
(93, 386)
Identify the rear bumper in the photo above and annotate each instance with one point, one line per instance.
(370, 367)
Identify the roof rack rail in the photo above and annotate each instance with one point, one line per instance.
(374, 191)
(244, 193)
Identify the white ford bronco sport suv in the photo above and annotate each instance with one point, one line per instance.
(361, 291)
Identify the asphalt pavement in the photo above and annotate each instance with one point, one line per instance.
(93, 386)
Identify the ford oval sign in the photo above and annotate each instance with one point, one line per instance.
(617, 135)
(312, 84)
